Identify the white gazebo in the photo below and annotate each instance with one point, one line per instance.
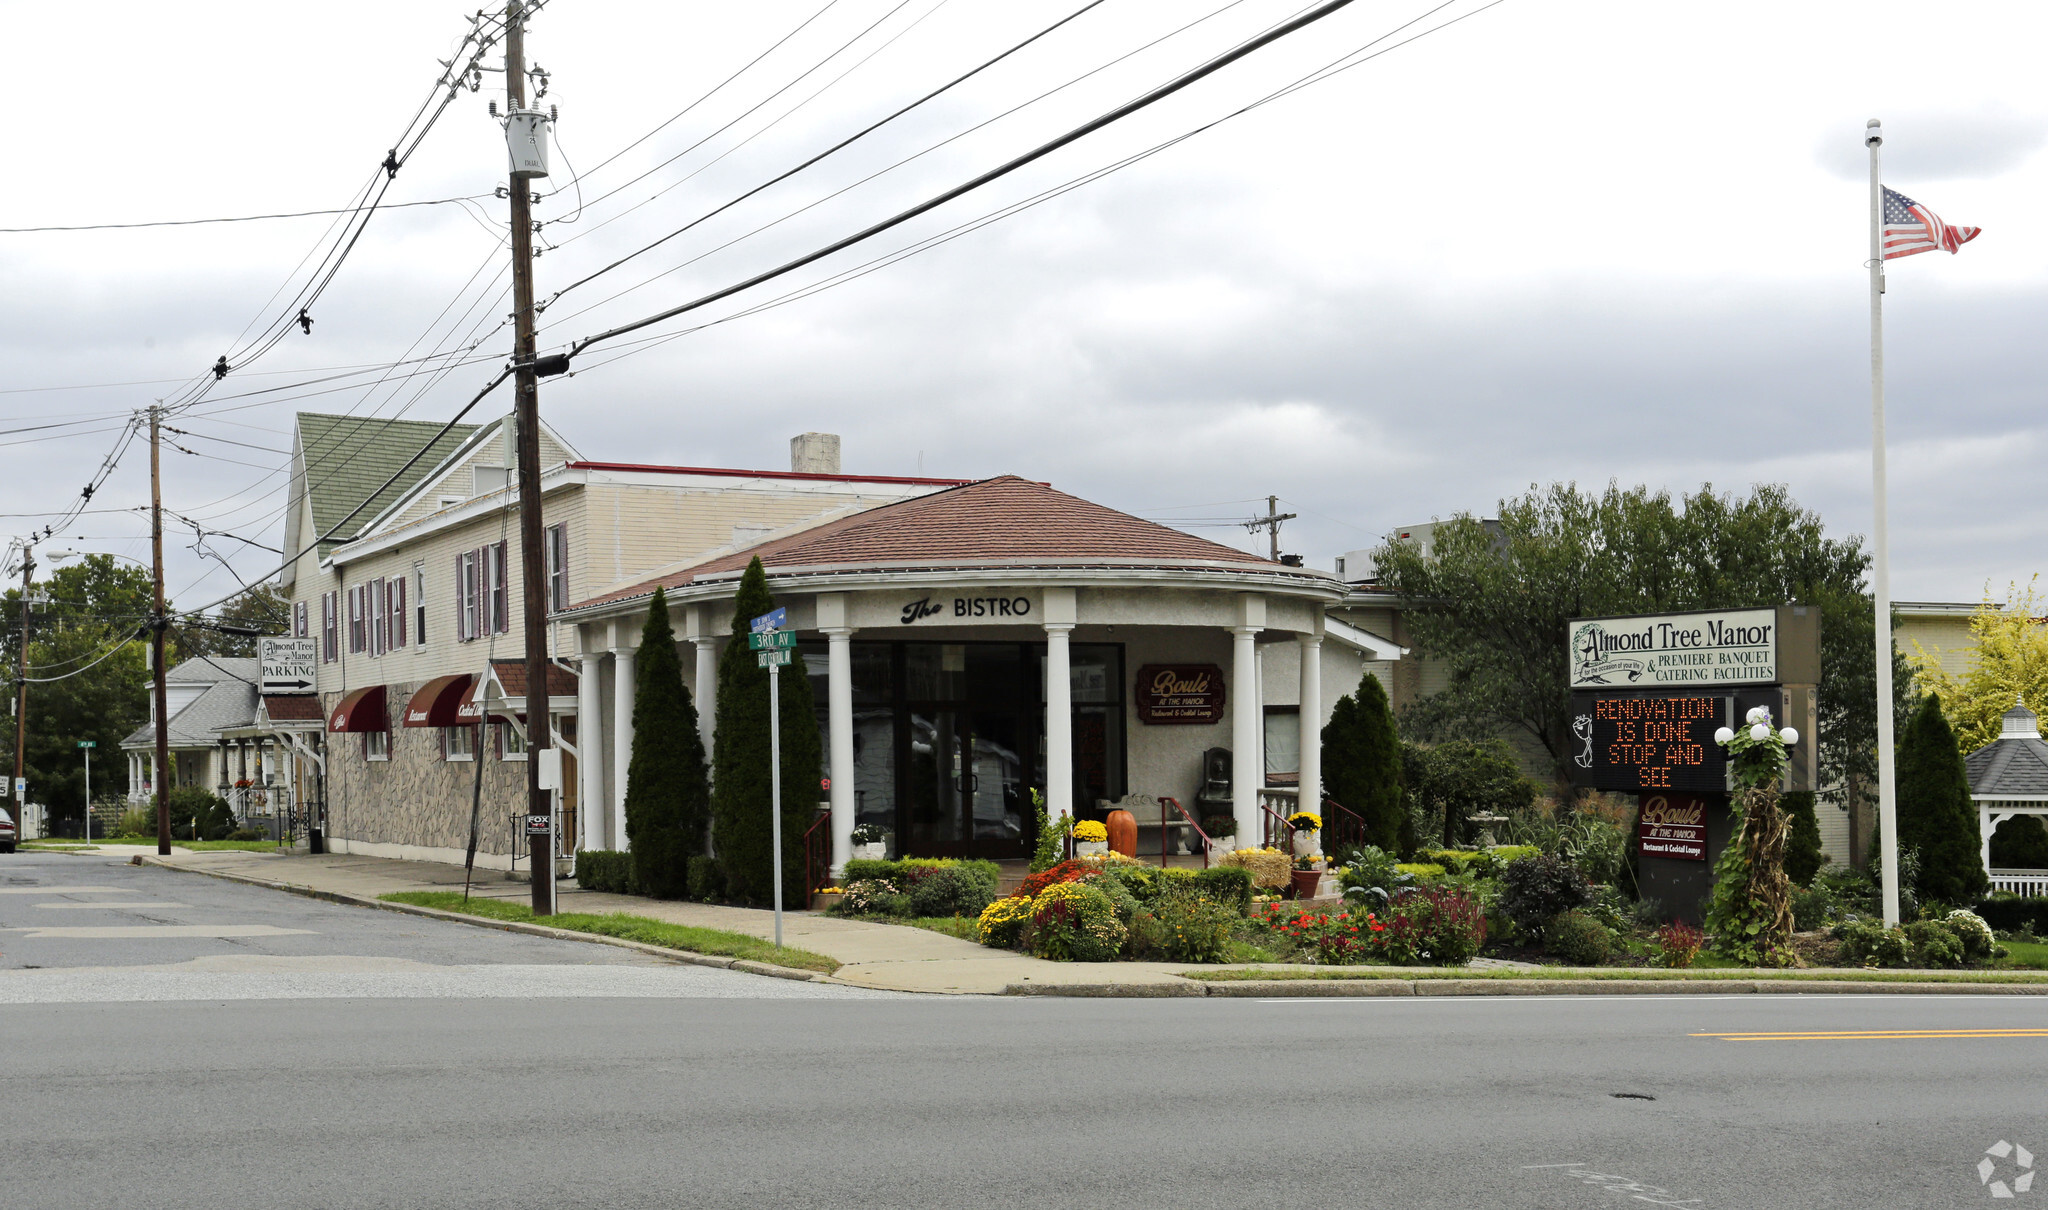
(2008, 778)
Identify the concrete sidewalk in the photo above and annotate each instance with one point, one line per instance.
(887, 956)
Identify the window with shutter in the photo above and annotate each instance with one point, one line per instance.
(499, 619)
(397, 612)
(419, 604)
(558, 567)
(355, 620)
(328, 624)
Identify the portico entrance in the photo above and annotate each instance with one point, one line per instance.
(949, 739)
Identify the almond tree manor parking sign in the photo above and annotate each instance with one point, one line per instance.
(1678, 650)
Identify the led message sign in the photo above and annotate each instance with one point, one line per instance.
(1639, 742)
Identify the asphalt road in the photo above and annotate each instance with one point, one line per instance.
(782, 1094)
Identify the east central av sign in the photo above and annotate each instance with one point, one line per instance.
(1727, 647)
(288, 665)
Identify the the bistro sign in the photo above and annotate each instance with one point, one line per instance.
(1180, 693)
(938, 608)
(1727, 647)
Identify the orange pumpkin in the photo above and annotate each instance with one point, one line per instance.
(1123, 832)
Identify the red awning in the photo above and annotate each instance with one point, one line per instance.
(438, 703)
(362, 710)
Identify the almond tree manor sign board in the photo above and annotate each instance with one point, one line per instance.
(1678, 650)
(1180, 693)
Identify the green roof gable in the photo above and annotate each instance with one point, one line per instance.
(347, 458)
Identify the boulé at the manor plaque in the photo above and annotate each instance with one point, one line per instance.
(1678, 650)
(1180, 693)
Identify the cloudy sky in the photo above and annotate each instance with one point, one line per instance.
(1554, 240)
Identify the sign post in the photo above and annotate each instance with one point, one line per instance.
(88, 745)
(774, 643)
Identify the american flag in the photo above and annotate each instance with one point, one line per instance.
(1911, 228)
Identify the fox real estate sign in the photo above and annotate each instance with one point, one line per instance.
(1677, 650)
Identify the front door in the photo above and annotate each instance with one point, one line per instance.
(967, 793)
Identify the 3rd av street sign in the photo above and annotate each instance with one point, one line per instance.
(288, 665)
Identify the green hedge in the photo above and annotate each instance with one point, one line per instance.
(606, 870)
(1226, 884)
(988, 873)
(2015, 915)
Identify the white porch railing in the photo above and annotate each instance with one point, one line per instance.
(2027, 884)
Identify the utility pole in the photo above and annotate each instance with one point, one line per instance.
(158, 623)
(20, 808)
(1271, 522)
(526, 412)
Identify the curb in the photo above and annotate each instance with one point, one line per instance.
(685, 957)
(1119, 991)
(1270, 989)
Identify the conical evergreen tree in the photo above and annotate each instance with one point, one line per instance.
(741, 787)
(1936, 816)
(1362, 764)
(667, 792)
(1803, 857)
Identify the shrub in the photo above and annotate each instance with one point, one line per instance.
(1442, 925)
(1047, 838)
(1193, 927)
(1502, 854)
(1421, 869)
(1578, 938)
(741, 794)
(1976, 936)
(949, 892)
(1936, 817)
(1118, 894)
(1227, 885)
(874, 897)
(1332, 939)
(1812, 908)
(668, 787)
(1538, 888)
(1678, 944)
(193, 809)
(1002, 922)
(1453, 861)
(1803, 857)
(248, 834)
(1868, 943)
(1075, 922)
(706, 880)
(140, 821)
(1373, 878)
(1934, 944)
(2015, 915)
(605, 870)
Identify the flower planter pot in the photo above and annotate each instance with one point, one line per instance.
(1305, 883)
(1308, 842)
(878, 851)
(823, 899)
(1087, 848)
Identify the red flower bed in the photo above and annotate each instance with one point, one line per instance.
(1066, 871)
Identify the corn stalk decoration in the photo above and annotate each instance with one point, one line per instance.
(1751, 916)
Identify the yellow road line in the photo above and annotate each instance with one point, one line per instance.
(1845, 1035)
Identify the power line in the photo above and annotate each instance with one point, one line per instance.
(1041, 151)
(242, 218)
(836, 147)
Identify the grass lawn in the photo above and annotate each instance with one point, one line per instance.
(204, 846)
(643, 929)
(2026, 955)
(962, 927)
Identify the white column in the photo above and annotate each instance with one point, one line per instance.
(622, 734)
(1247, 711)
(1311, 744)
(707, 691)
(1059, 722)
(839, 728)
(590, 754)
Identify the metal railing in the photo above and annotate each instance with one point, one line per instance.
(1193, 824)
(1342, 827)
(817, 857)
(1276, 803)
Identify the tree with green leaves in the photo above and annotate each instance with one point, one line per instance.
(1936, 817)
(1453, 781)
(1491, 600)
(2008, 662)
(83, 635)
(741, 787)
(668, 791)
(1362, 764)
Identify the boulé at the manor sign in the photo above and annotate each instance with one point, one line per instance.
(1679, 650)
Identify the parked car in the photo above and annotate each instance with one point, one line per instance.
(7, 832)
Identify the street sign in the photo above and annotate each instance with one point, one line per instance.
(773, 659)
(288, 665)
(88, 743)
(538, 824)
(774, 619)
(771, 640)
(21, 789)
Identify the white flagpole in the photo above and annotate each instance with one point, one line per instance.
(1887, 776)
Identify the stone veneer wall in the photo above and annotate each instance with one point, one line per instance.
(417, 804)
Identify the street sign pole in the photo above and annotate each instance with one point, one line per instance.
(87, 745)
(775, 787)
